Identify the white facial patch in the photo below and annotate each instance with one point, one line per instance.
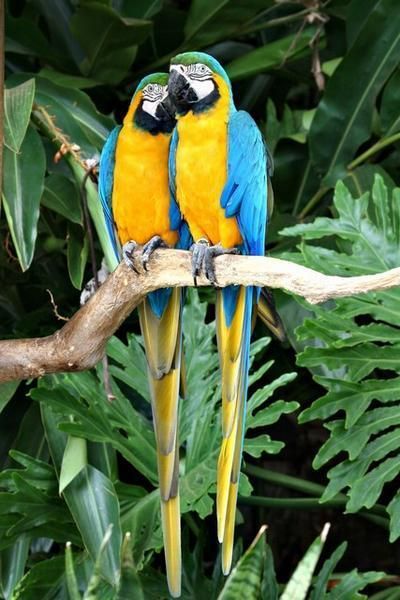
(199, 76)
(153, 94)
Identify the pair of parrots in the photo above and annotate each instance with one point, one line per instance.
(187, 170)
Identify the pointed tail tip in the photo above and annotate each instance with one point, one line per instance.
(220, 531)
(226, 564)
(174, 587)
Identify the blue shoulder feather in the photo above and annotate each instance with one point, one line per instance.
(106, 181)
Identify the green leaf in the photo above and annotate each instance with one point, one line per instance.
(352, 583)
(58, 20)
(61, 195)
(357, 15)
(74, 460)
(22, 190)
(12, 564)
(366, 491)
(94, 506)
(130, 585)
(140, 522)
(393, 509)
(7, 391)
(300, 581)
(77, 253)
(42, 579)
(92, 502)
(75, 114)
(389, 113)
(110, 41)
(24, 37)
(70, 575)
(245, 581)
(17, 112)
(322, 579)
(211, 20)
(369, 434)
(335, 134)
(361, 179)
(69, 81)
(263, 443)
(270, 56)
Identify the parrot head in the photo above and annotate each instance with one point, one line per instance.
(151, 107)
(196, 82)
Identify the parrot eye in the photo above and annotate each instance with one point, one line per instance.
(200, 71)
(150, 88)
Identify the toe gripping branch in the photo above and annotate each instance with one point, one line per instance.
(148, 249)
(203, 259)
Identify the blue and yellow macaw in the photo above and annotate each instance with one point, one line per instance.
(218, 174)
(134, 191)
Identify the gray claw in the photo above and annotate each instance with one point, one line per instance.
(148, 249)
(203, 259)
(128, 250)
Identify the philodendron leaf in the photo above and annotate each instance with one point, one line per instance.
(22, 190)
(17, 111)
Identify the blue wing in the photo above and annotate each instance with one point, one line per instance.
(245, 192)
(106, 181)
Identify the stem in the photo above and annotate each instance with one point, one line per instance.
(1, 93)
(302, 485)
(274, 22)
(191, 523)
(302, 503)
(374, 149)
(288, 481)
(313, 202)
(308, 503)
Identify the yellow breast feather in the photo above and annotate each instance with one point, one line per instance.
(201, 171)
(141, 198)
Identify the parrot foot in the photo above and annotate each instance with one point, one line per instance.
(127, 252)
(148, 249)
(203, 259)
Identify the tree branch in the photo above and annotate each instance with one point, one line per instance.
(81, 342)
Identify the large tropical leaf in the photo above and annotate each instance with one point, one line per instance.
(210, 20)
(360, 362)
(22, 190)
(17, 111)
(110, 41)
(336, 134)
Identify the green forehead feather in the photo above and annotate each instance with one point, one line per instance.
(190, 58)
(160, 78)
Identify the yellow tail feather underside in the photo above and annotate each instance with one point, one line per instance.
(170, 518)
(229, 348)
(232, 410)
(162, 339)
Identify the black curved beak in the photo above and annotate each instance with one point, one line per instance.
(180, 90)
(166, 109)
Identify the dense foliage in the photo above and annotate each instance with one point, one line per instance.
(322, 79)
